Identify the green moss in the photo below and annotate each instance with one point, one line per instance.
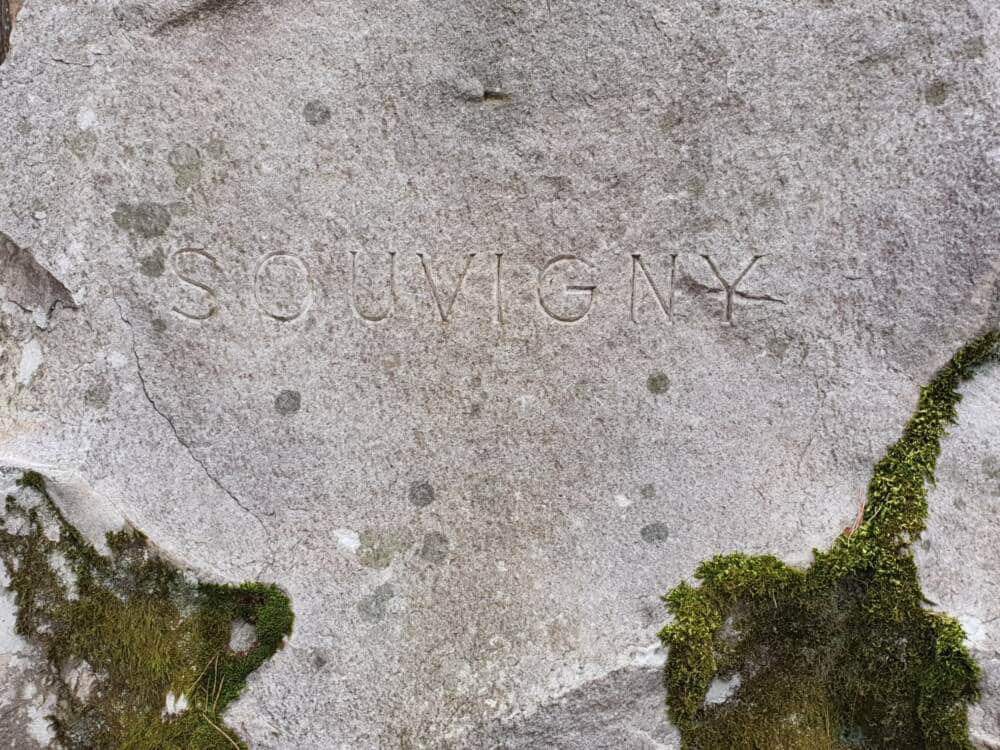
(842, 654)
(140, 626)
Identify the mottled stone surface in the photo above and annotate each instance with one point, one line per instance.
(476, 474)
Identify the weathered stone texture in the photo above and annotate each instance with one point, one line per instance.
(476, 474)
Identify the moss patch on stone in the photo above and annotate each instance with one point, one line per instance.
(842, 654)
(123, 632)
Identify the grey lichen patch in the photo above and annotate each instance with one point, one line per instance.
(215, 147)
(145, 219)
(185, 160)
(936, 93)
(98, 395)
(654, 533)
(670, 121)
(178, 209)
(764, 199)
(658, 383)
(991, 467)
(153, 265)
(434, 548)
(696, 187)
(777, 346)
(974, 48)
(375, 606)
(316, 112)
(138, 651)
(421, 494)
(319, 660)
(288, 402)
(82, 144)
(379, 546)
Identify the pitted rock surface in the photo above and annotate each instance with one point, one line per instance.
(477, 326)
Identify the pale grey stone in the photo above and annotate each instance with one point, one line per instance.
(81, 679)
(958, 555)
(213, 178)
(244, 636)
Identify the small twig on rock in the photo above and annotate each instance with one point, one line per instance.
(850, 531)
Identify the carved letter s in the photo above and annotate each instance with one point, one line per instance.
(211, 300)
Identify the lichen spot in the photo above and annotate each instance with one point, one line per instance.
(421, 494)
(288, 402)
(152, 266)
(671, 120)
(435, 548)
(98, 395)
(316, 113)
(185, 160)
(375, 606)
(145, 219)
(974, 48)
(658, 383)
(654, 533)
(936, 93)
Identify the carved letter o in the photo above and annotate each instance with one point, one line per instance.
(282, 287)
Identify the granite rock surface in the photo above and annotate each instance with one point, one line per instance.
(477, 326)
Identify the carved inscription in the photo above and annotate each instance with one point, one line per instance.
(566, 313)
(390, 307)
(444, 306)
(498, 290)
(730, 287)
(666, 303)
(281, 286)
(567, 288)
(185, 264)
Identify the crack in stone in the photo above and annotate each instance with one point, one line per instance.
(270, 561)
